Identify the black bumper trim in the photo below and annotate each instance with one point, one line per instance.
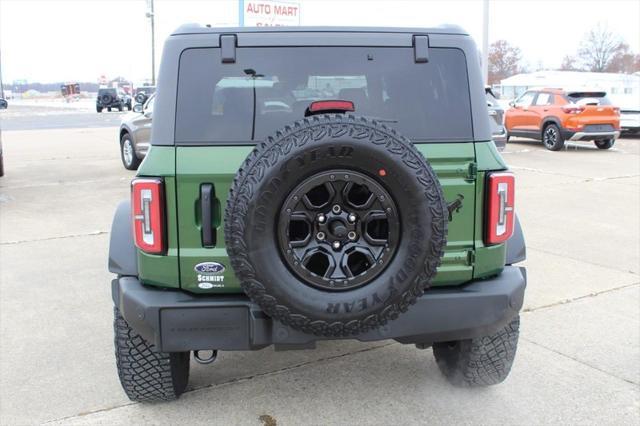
(177, 321)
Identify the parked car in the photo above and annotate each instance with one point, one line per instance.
(3, 103)
(630, 121)
(112, 98)
(260, 218)
(496, 115)
(135, 134)
(555, 116)
(143, 93)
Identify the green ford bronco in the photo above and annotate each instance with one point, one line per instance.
(306, 184)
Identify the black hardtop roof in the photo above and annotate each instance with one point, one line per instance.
(203, 29)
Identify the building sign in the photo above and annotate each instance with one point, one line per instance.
(268, 13)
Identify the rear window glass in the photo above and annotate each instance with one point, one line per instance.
(267, 88)
(589, 98)
(107, 91)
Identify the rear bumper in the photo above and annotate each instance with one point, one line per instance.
(589, 136)
(110, 104)
(176, 321)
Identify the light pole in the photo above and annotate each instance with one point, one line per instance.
(1, 85)
(150, 14)
(485, 41)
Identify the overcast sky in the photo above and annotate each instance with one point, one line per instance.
(79, 40)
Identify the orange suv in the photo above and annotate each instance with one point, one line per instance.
(555, 116)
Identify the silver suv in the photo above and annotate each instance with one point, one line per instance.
(135, 134)
(496, 113)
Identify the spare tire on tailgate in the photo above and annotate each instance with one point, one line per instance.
(335, 225)
(106, 99)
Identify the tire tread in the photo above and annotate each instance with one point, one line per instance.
(266, 155)
(147, 375)
(482, 361)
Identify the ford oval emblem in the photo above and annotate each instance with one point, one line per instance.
(209, 268)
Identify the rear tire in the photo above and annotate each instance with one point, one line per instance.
(552, 137)
(109, 109)
(99, 109)
(605, 144)
(120, 107)
(483, 361)
(146, 375)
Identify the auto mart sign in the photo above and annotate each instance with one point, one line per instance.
(268, 13)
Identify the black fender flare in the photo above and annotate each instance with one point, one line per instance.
(551, 119)
(123, 258)
(124, 129)
(516, 248)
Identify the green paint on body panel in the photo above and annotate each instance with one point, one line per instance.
(218, 165)
(460, 168)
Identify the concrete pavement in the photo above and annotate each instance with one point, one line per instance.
(577, 362)
(25, 115)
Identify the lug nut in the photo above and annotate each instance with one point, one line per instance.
(336, 245)
(336, 209)
(320, 236)
(321, 218)
(351, 235)
(352, 218)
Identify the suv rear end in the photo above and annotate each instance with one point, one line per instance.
(243, 120)
(590, 116)
(111, 98)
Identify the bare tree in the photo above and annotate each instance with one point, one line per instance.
(569, 64)
(598, 48)
(624, 60)
(504, 61)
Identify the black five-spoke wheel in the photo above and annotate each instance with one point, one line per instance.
(338, 229)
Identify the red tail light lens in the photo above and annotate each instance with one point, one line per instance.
(573, 109)
(147, 208)
(500, 207)
(326, 106)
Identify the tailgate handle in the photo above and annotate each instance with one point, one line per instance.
(421, 48)
(206, 212)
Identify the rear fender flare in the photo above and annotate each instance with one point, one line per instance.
(123, 258)
(515, 246)
(552, 119)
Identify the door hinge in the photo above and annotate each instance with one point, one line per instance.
(471, 257)
(228, 43)
(472, 171)
(421, 48)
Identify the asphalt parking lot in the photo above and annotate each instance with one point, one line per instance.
(577, 362)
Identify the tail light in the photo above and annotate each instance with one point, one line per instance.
(573, 108)
(147, 208)
(616, 110)
(500, 207)
(330, 106)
